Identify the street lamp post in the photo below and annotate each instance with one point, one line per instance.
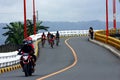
(34, 17)
(25, 24)
(114, 14)
(107, 32)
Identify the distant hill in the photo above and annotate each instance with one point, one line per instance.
(77, 25)
(54, 26)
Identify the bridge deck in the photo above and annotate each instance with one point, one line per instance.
(94, 63)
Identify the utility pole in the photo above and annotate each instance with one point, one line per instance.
(25, 24)
(34, 17)
(114, 14)
(107, 32)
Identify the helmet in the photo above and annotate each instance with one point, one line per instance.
(30, 41)
(25, 42)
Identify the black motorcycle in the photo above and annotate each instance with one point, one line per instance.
(27, 64)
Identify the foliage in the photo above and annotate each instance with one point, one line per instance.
(15, 33)
(30, 27)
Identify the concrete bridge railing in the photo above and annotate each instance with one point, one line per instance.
(8, 59)
(11, 58)
(64, 33)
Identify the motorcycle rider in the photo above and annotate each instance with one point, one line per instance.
(57, 36)
(52, 37)
(48, 37)
(27, 48)
(43, 38)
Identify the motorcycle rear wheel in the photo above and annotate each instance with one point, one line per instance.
(26, 70)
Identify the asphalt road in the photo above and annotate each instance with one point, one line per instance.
(94, 63)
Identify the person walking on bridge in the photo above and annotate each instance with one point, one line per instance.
(91, 32)
(57, 38)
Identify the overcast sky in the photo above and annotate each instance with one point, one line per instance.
(57, 10)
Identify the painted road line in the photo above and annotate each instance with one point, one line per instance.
(63, 70)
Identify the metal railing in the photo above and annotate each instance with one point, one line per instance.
(101, 36)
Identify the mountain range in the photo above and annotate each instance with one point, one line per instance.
(54, 26)
(83, 25)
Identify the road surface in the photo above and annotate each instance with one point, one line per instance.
(94, 62)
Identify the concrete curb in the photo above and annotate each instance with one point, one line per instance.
(10, 68)
(111, 48)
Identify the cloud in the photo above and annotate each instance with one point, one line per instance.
(57, 10)
(9, 3)
(69, 10)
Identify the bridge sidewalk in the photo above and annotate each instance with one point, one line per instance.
(111, 48)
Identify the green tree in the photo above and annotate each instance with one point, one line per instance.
(15, 33)
(15, 30)
(40, 27)
(30, 27)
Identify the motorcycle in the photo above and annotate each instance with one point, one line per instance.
(51, 42)
(27, 64)
(43, 42)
